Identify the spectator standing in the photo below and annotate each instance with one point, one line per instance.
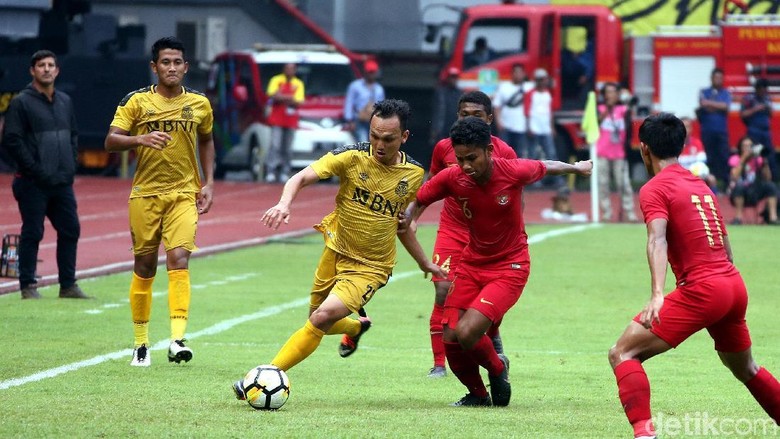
(40, 135)
(362, 94)
(167, 196)
(445, 105)
(756, 112)
(538, 111)
(751, 180)
(713, 114)
(510, 112)
(611, 155)
(286, 92)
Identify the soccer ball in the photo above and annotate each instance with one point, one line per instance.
(266, 387)
(699, 169)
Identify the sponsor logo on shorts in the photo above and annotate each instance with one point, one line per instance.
(515, 266)
(486, 302)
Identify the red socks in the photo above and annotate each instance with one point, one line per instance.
(634, 392)
(437, 342)
(765, 388)
(465, 368)
(485, 355)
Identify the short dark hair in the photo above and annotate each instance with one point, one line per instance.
(664, 134)
(716, 70)
(41, 54)
(761, 83)
(393, 107)
(471, 131)
(609, 84)
(167, 43)
(477, 97)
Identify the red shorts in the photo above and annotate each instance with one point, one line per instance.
(446, 253)
(491, 292)
(718, 304)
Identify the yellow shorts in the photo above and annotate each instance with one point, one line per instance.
(351, 281)
(171, 218)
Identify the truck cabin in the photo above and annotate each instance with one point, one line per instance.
(580, 46)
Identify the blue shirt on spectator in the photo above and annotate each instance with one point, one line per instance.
(359, 94)
(714, 121)
(759, 120)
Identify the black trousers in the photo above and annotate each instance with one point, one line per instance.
(59, 205)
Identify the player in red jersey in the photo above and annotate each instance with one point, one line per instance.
(494, 265)
(453, 232)
(684, 228)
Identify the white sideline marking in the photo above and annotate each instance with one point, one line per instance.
(230, 323)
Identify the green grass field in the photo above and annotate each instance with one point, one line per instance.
(65, 373)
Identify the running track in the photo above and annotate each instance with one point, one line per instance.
(233, 221)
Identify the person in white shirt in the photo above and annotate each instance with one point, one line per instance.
(538, 111)
(510, 113)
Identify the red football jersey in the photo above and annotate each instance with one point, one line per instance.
(493, 212)
(695, 228)
(443, 157)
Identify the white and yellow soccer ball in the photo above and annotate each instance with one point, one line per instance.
(699, 169)
(266, 387)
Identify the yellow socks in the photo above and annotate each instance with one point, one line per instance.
(348, 326)
(179, 293)
(141, 307)
(299, 346)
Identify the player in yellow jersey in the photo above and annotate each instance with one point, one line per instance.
(377, 182)
(166, 124)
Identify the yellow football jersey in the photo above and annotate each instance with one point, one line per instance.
(184, 117)
(371, 195)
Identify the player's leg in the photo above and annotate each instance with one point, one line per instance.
(732, 341)
(760, 382)
(636, 345)
(437, 330)
(357, 285)
(306, 340)
(145, 231)
(461, 363)
(179, 226)
(446, 254)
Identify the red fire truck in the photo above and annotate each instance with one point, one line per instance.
(665, 70)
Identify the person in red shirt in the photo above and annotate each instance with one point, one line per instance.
(494, 265)
(452, 236)
(286, 93)
(684, 228)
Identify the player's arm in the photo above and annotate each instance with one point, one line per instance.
(554, 167)
(206, 154)
(657, 259)
(121, 140)
(274, 216)
(412, 245)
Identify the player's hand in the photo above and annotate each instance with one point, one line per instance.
(204, 198)
(405, 224)
(431, 268)
(652, 311)
(274, 216)
(584, 167)
(155, 140)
